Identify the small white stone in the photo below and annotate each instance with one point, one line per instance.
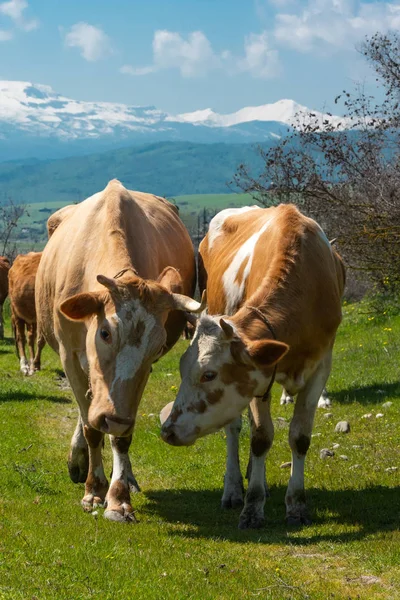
(355, 466)
(379, 415)
(367, 416)
(334, 446)
(387, 404)
(315, 434)
(326, 453)
(328, 415)
(342, 427)
(343, 457)
(391, 469)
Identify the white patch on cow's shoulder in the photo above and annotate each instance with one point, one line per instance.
(130, 358)
(216, 223)
(234, 290)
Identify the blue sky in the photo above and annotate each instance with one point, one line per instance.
(182, 55)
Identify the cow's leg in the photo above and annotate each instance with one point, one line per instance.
(299, 440)
(286, 398)
(262, 435)
(324, 401)
(78, 458)
(20, 340)
(96, 485)
(119, 506)
(31, 328)
(233, 480)
(1, 322)
(40, 344)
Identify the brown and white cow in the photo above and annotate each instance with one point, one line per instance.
(4, 268)
(107, 301)
(275, 277)
(22, 276)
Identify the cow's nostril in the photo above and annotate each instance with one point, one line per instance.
(170, 438)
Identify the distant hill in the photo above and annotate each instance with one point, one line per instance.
(166, 168)
(36, 121)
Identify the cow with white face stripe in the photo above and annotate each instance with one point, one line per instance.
(110, 292)
(276, 279)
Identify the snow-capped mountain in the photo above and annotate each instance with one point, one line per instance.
(35, 121)
(283, 111)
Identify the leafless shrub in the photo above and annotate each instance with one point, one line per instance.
(10, 215)
(346, 176)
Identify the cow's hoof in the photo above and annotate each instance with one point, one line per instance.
(233, 495)
(124, 515)
(134, 487)
(91, 502)
(232, 501)
(78, 465)
(251, 520)
(286, 399)
(25, 371)
(298, 521)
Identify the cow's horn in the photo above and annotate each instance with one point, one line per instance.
(185, 303)
(109, 283)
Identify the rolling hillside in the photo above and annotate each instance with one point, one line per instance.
(167, 169)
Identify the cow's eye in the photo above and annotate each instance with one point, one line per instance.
(208, 376)
(105, 335)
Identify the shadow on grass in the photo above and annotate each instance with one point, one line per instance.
(7, 341)
(369, 394)
(27, 397)
(357, 513)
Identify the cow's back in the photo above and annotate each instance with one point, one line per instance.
(279, 259)
(22, 278)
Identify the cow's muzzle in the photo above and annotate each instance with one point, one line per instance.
(169, 435)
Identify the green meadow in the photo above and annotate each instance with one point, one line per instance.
(184, 546)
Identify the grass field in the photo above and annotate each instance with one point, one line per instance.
(184, 546)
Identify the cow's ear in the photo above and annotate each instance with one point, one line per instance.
(82, 306)
(171, 279)
(266, 353)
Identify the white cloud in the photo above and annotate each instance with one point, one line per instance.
(14, 9)
(5, 36)
(92, 41)
(195, 56)
(334, 24)
(260, 60)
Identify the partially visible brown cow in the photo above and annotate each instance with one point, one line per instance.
(4, 268)
(21, 278)
(190, 327)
